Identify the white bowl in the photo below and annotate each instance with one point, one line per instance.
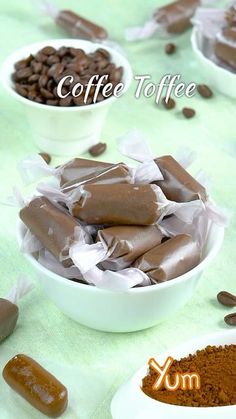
(136, 309)
(64, 130)
(131, 403)
(221, 78)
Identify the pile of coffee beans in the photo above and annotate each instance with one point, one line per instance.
(37, 76)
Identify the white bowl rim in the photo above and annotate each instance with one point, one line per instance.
(79, 43)
(211, 63)
(147, 289)
(134, 380)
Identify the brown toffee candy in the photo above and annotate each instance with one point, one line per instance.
(8, 318)
(119, 204)
(127, 243)
(176, 17)
(80, 27)
(52, 226)
(178, 185)
(225, 47)
(170, 259)
(36, 385)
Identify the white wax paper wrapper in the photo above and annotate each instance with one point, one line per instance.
(116, 281)
(209, 21)
(22, 287)
(34, 168)
(46, 259)
(15, 200)
(30, 243)
(137, 33)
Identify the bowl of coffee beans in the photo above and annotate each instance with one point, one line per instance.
(66, 87)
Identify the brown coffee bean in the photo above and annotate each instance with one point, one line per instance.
(43, 80)
(66, 101)
(53, 59)
(55, 70)
(63, 51)
(226, 299)
(47, 50)
(21, 90)
(36, 66)
(204, 91)
(33, 78)
(46, 157)
(32, 94)
(50, 85)
(117, 74)
(97, 149)
(44, 70)
(170, 104)
(45, 93)
(38, 99)
(52, 102)
(23, 73)
(170, 48)
(230, 319)
(78, 101)
(77, 52)
(188, 112)
(103, 64)
(21, 64)
(40, 57)
(104, 53)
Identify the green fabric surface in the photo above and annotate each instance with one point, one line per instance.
(99, 362)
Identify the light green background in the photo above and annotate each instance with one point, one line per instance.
(94, 364)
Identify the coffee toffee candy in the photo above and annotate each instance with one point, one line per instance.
(124, 244)
(36, 385)
(9, 313)
(178, 185)
(119, 204)
(79, 27)
(225, 47)
(55, 229)
(170, 259)
(176, 17)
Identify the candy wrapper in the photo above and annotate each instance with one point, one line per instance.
(177, 183)
(9, 310)
(172, 19)
(76, 25)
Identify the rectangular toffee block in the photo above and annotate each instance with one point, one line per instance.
(225, 47)
(9, 313)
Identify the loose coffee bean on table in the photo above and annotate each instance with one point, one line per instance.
(204, 91)
(36, 77)
(46, 157)
(227, 299)
(170, 104)
(230, 319)
(170, 48)
(188, 112)
(97, 149)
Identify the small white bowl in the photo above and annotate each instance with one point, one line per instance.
(64, 130)
(221, 78)
(136, 309)
(131, 403)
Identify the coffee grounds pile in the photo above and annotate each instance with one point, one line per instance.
(37, 76)
(217, 369)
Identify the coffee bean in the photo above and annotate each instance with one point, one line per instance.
(46, 157)
(226, 299)
(38, 99)
(97, 149)
(55, 70)
(33, 78)
(23, 73)
(104, 53)
(204, 91)
(36, 66)
(52, 102)
(188, 112)
(47, 50)
(40, 57)
(62, 51)
(53, 59)
(230, 319)
(170, 48)
(117, 74)
(21, 90)
(170, 104)
(66, 101)
(21, 64)
(43, 81)
(45, 93)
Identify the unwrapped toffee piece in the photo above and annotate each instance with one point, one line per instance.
(80, 27)
(9, 313)
(178, 185)
(225, 47)
(127, 243)
(35, 384)
(176, 17)
(54, 228)
(119, 204)
(170, 259)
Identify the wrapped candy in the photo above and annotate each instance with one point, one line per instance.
(116, 247)
(225, 47)
(82, 171)
(53, 227)
(9, 311)
(173, 18)
(170, 259)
